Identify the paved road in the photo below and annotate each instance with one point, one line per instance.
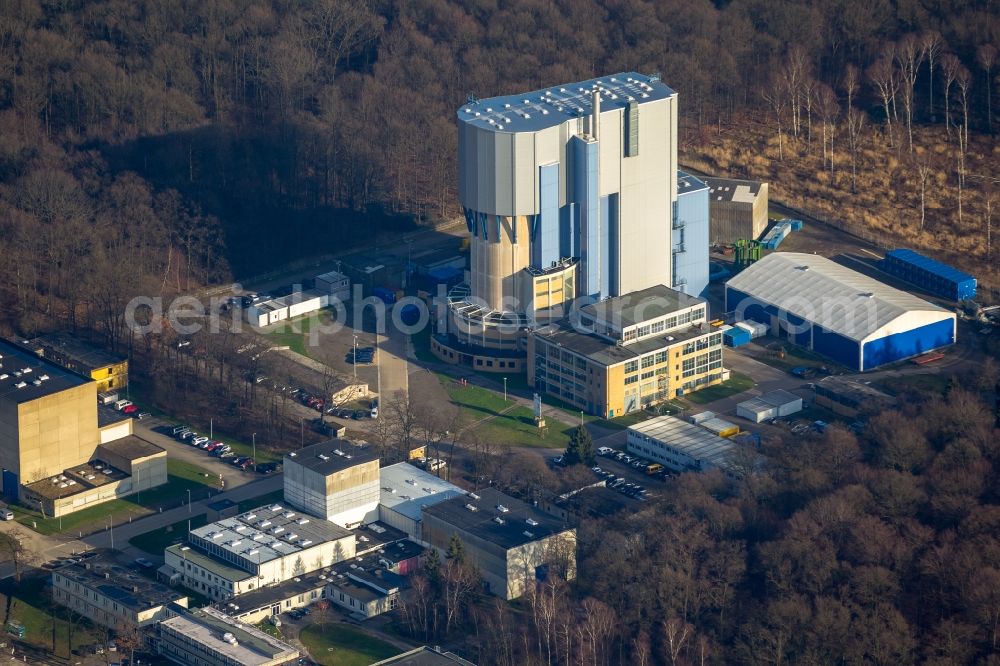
(393, 368)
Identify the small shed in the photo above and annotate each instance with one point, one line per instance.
(701, 417)
(720, 427)
(771, 405)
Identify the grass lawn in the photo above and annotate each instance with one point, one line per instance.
(340, 645)
(182, 476)
(794, 356)
(155, 541)
(737, 383)
(29, 606)
(514, 426)
(295, 332)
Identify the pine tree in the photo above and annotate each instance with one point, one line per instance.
(580, 448)
(456, 549)
(432, 565)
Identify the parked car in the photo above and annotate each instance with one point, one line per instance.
(238, 460)
(605, 451)
(142, 415)
(268, 468)
(246, 464)
(198, 441)
(130, 409)
(178, 429)
(6, 514)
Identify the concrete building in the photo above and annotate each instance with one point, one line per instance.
(111, 595)
(108, 370)
(627, 352)
(850, 398)
(208, 637)
(264, 546)
(365, 588)
(737, 209)
(335, 480)
(680, 446)
(847, 316)
(112, 424)
(771, 405)
(334, 284)
(287, 307)
(48, 418)
(568, 191)
(511, 543)
(689, 237)
(119, 468)
(405, 491)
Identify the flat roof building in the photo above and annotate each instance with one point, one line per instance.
(112, 595)
(628, 352)
(208, 637)
(508, 541)
(737, 209)
(680, 446)
(847, 316)
(405, 491)
(263, 546)
(770, 405)
(109, 371)
(335, 480)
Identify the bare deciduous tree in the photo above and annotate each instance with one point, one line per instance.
(932, 43)
(950, 66)
(882, 75)
(986, 56)
(909, 56)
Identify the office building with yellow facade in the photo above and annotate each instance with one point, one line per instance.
(621, 354)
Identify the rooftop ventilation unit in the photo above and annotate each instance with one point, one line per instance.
(44, 378)
(502, 509)
(528, 534)
(276, 508)
(302, 521)
(323, 456)
(290, 514)
(498, 520)
(305, 542)
(338, 452)
(20, 385)
(531, 521)
(474, 496)
(471, 507)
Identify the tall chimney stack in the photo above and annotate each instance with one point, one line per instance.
(595, 120)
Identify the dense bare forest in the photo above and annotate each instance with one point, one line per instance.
(153, 147)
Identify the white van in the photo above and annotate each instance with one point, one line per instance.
(122, 404)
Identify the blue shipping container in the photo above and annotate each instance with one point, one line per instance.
(736, 337)
(930, 275)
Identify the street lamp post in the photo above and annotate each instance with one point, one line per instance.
(211, 428)
(505, 389)
(111, 522)
(189, 500)
(254, 459)
(355, 360)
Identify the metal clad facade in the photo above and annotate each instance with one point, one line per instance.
(545, 244)
(913, 342)
(691, 266)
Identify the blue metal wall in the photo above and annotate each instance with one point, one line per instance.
(691, 266)
(908, 343)
(545, 238)
(835, 346)
(585, 194)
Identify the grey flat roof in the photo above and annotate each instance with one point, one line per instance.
(688, 183)
(207, 626)
(853, 389)
(217, 567)
(407, 489)
(374, 536)
(775, 398)
(272, 594)
(601, 351)
(332, 456)
(131, 447)
(691, 440)
(548, 107)
(78, 352)
(730, 189)
(25, 376)
(268, 533)
(513, 531)
(76, 480)
(109, 415)
(425, 656)
(640, 306)
(119, 583)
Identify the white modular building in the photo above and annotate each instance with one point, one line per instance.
(678, 445)
(771, 405)
(287, 307)
(840, 313)
(335, 284)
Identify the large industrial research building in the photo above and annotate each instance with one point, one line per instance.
(571, 196)
(842, 314)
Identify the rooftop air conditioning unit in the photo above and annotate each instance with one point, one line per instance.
(531, 521)
(471, 507)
